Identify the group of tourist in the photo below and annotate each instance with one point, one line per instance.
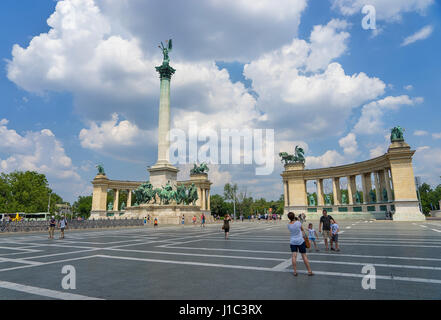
(62, 224)
(298, 239)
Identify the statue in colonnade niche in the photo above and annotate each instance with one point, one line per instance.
(311, 200)
(385, 198)
(110, 206)
(123, 206)
(327, 199)
(344, 198)
(357, 197)
(372, 196)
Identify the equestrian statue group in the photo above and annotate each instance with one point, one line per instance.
(145, 194)
(297, 157)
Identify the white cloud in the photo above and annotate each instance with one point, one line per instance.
(408, 87)
(427, 163)
(329, 159)
(377, 151)
(436, 135)
(420, 133)
(39, 151)
(320, 101)
(121, 139)
(387, 10)
(422, 34)
(349, 144)
(371, 121)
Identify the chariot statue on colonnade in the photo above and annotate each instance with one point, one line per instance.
(297, 157)
(202, 168)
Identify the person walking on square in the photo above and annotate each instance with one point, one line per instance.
(325, 222)
(226, 226)
(194, 220)
(155, 223)
(203, 220)
(334, 235)
(312, 236)
(297, 243)
(63, 225)
(52, 224)
(183, 220)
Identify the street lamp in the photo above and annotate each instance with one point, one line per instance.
(418, 183)
(49, 203)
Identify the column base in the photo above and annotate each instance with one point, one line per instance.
(161, 173)
(408, 211)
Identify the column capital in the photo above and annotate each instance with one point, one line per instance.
(165, 71)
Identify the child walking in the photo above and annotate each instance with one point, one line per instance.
(312, 236)
(334, 235)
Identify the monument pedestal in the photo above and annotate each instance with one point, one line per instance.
(162, 173)
(166, 213)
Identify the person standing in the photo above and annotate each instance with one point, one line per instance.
(155, 223)
(183, 220)
(297, 243)
(194, 220)
(325, 222)
(334, 235)
(63, 225)
(312, 236)
(226, 226)
(203, 220)
(52, 224)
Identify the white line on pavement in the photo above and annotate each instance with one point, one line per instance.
(44, 292)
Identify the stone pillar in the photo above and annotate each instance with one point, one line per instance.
(403, 179)
(285, 193)
(336, 192)
(367, 185)
(351, 189)
(129, 198)
(116, 200)
(388, 184)
(296, 188)
(99, 195)
(377, 187)
(381, 177)
(320, 193)
(208, 200)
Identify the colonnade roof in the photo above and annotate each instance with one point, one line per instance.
(353, 169)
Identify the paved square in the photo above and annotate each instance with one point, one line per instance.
(191, 262)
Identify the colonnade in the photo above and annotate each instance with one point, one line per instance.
(390, 175)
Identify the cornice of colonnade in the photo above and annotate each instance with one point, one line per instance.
(396, 152)
(102, 180)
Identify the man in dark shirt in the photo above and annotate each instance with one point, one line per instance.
(325, 221)
(52, 224)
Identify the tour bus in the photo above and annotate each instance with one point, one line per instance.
(21, 216)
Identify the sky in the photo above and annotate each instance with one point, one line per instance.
(78, 85)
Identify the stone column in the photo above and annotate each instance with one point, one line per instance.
(208, 200)
(285, 193)
(129, 198)
(377, 187)
(367, 183)
(403, 180)
(388, 186)
(336, 192)
(116, 200)
(320, 196)
(99, 195)
(351, 189)
(381, 177)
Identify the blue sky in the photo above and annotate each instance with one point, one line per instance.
(80, 88)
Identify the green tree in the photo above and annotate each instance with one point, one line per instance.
(83, 206)
(26, 192)
(218, 205)
(230, 193)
